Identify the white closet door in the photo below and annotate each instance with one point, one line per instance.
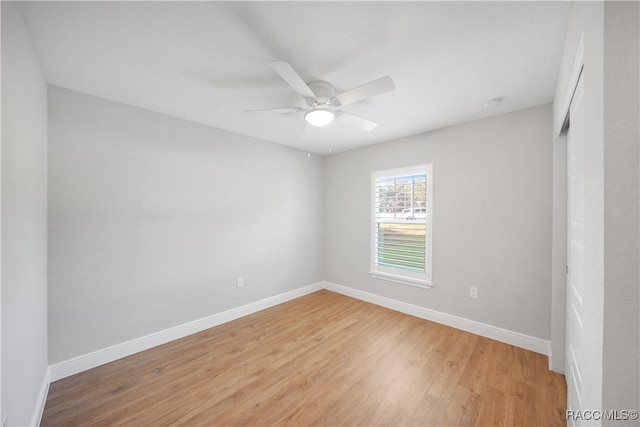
(575, 336)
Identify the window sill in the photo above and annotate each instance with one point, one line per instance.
(402, 280)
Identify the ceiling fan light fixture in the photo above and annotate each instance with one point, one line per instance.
(319, 116)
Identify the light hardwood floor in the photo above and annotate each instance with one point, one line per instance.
(323, 359)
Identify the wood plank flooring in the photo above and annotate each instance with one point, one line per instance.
(321, 360)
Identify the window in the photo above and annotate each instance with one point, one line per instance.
(401, 225)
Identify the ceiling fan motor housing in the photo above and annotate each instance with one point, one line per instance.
(325, 94)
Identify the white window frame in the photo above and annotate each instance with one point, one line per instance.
(421, 280)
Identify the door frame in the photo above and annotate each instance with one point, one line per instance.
(559, 218)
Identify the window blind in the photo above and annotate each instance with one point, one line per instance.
(401, 222)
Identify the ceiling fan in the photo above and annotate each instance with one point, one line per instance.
(323, 101)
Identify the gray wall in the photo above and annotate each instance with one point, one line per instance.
(491, 226)
(621, 333)
(24, 221)
(152, 218)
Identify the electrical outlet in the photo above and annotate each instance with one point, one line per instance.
(473, 292)
(240, 282)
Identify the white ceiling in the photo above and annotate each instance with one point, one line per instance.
(208, 61)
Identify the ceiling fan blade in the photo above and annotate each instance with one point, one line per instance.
(289, 75)
(286, 110)
(367, 90)
(354, 120)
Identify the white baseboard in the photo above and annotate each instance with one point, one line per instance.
(499, 334)
(42, 399)
(94, 359)
(100, 357)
